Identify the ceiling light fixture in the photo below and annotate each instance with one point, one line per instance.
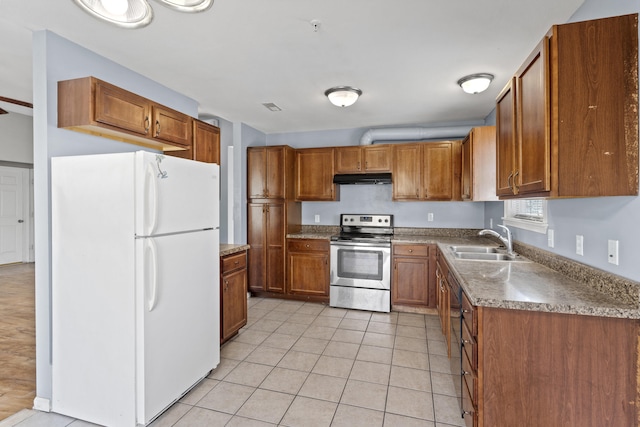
(136, 13)
(189, 6)
(343, 96)
(123, 13)
(475, 83)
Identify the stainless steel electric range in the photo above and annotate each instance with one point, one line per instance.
(360, 258)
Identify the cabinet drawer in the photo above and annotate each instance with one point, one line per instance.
(411, 250)
(233, 262)
(469, 346)
(469, 380)
(469, 412)
(469, 315)
(308, 245)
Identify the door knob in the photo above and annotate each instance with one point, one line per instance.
(20, 221)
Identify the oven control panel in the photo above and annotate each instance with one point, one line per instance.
(366, 220)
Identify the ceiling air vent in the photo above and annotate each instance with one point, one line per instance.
(271, 106)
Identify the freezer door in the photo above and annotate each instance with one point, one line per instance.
(178, 316)
(174, 194)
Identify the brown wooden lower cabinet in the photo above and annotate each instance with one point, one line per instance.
(308, 268)
(549, 369)
(233, 294)
(413, 281)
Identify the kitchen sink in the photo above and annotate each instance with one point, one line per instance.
(474, 249)
(483, 256)
(483, 253)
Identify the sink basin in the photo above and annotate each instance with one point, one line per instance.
(474, 249)
(483, 256)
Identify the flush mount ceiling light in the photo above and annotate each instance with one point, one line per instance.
(475, 83)
(123, 13)
(187, 5)
(136, 13)
(343, 96)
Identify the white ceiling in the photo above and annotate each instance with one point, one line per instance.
(405, 55)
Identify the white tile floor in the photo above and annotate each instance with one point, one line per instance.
(306, 364)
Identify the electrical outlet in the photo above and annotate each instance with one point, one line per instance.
(613, 252)
(550, 238)
(579, 244)
(490, 222)
(317, 218)
(430, 216)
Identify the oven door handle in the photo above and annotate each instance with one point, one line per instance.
(362, 244)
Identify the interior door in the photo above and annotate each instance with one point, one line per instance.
(11, 214)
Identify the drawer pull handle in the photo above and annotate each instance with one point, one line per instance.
(237, 262)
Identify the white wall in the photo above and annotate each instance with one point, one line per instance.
(55, 59)
(16, 138)
(597, 219)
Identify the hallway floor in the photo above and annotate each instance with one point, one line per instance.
(306, 364)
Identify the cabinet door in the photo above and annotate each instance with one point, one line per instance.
(309, 273)
(121, 109)
(314, 175)
(256, 220)
(256, 172)
(467, 168)
(233, 300)
(275, 176)
(438, 172)
(406, 172)
(349, 160)
(377, 158)
(410, 281)
(206, 142)
(533, 159)
(171, 126)
(275, 247)
(506, 140)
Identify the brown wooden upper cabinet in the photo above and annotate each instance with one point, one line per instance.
(270, 172)
(363, 159)
(314, 175)
(96, 107)
(479, 164)
(565, 122)
(427, 171)
(206, 142)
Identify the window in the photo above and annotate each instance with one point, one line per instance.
(529, 214)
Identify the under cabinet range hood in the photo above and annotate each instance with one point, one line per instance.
(362, 178)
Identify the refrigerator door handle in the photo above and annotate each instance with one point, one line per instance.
(152, 278)
(151, 200)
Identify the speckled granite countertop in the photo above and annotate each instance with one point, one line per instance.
(230, 249)
(527, 285)
(522, 284)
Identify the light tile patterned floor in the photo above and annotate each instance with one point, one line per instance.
(306, 364)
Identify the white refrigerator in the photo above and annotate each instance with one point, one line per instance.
(135, 283)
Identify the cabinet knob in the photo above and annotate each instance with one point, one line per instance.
(306, 246)
(410, 250)
(237, 262)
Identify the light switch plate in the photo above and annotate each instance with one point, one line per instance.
(317, 218)
(550, 238)
(579, 244)
(430, 216)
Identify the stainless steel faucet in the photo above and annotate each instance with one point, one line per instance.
(508, 243)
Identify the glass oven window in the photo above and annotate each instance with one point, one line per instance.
(360, 264)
